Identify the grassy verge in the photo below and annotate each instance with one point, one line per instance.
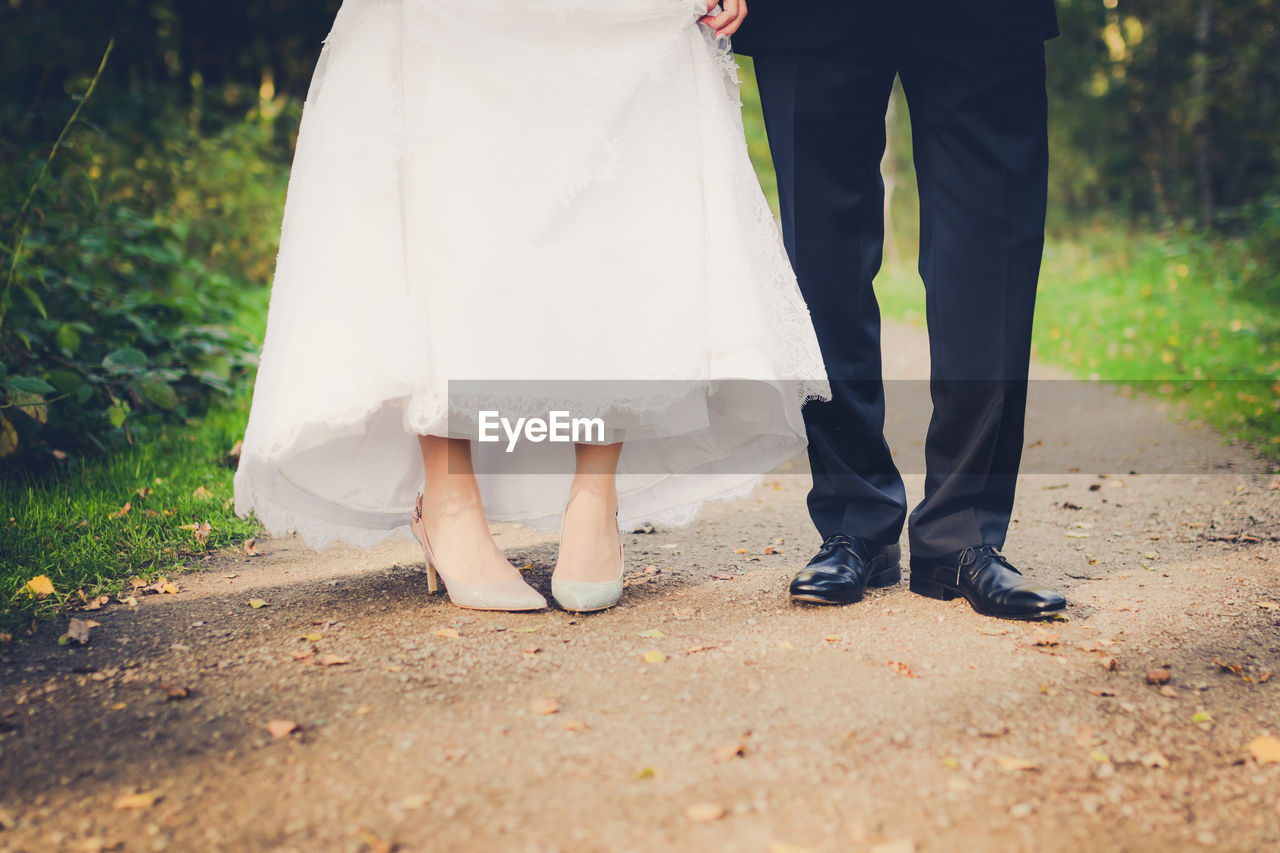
(134, 514)
(1147, 311)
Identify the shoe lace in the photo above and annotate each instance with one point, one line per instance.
(972, 554)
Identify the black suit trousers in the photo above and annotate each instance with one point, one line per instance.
(976, 95)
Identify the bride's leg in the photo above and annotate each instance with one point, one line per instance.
(590, 540)
(454, 516)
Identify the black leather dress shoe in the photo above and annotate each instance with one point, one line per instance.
(843, 569)
(987, 580)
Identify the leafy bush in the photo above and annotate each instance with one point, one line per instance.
(122, 291)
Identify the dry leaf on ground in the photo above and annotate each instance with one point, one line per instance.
(282, 728)
(902, 669)
(546, 705)
(1265, 750)
(447, 634)
(654, 656)
(333, 660)
(251, 548)
(39, 586)
(729, 751)
(143, 800)
(78, 630)
(258, 603)
(704, 812)
(1014, 764)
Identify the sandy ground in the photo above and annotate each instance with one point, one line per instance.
(897, 724)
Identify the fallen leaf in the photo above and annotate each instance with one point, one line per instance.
(704, 812)
(416, 801)
(728, 752)
(531, 651)
(202, 494)
(447, 634)
(257, 603)
(1202, 717)
(1013, 764)
(1268, 605)
(1155, 759)
(546, 705)
(651, 570)
(314, 637)
(122, 511)
(654, 656)
(834, 638)
(303, 655)
(652, 634)
(1099, 756)
(646, 773)
(78, 630)
(373, 842)
(333, 660)
(1158, 676)
(693, 650)
(202, 532)
(574, 726)
(143, 800)
(902, 669)
(96, 603)
(1102, 692)
(722, 577)
(5, 639)
(740, 551)
(39, 586)
(251, 547)
(771, 550)
(1265, 750)
(282, 728)
(173, 693)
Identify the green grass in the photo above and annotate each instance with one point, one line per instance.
(70, 528)
(1149, 311)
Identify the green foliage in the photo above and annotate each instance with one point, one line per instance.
(1168, 108)
(74, 527)
(121, 313)
(1172, 315)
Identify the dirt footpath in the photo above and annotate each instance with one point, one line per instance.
(706, 712)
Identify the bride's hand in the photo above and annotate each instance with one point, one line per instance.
(727, 22)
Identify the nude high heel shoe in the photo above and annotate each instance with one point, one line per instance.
(587, 596)
(512, 595)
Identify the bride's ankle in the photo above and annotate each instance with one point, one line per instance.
(591, 491)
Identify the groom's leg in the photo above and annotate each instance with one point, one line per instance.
(824, 111)
(977, 98)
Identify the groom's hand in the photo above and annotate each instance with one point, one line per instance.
(727, 22)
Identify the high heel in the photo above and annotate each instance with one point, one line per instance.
(512, 595)
(587, 596)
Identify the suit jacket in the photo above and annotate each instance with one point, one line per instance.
(792, 24)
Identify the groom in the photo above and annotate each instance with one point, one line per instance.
(974, 77)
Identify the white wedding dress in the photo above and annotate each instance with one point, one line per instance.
(527, 194)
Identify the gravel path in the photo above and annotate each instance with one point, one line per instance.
(706, 712)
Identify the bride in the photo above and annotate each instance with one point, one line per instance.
(513, 208)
